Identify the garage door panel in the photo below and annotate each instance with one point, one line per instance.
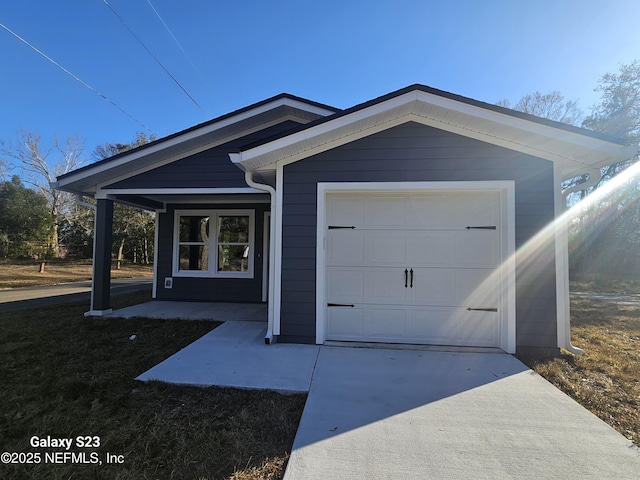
(456, 291)
(376, 286)
(477, 208)
(384, 286)
(477, 248)
(386, 324)
(345, 247)
(478, 288)
(385, 247)
(433, 286)
(433, 210)
(432, 325)
(477, 328)
(344, 323)
(385, 212)
(423, 325)
(434, 248)
(346, 285)
(346, 210)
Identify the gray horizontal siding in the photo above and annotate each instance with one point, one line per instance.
(413, 152)
(208, 289)
(208, 169)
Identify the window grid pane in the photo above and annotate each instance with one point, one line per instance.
(196, 242)
(233, 258)
(194, 257)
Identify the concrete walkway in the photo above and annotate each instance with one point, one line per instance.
(235, 355)
(398, 414)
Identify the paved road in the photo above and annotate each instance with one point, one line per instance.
(633, 300)
(32, 297)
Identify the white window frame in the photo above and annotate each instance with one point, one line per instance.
(212, 271)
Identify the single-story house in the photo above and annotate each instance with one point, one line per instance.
(419, 217)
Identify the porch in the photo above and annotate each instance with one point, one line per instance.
(221, 312)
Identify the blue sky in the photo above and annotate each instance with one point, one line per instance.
(341, 53)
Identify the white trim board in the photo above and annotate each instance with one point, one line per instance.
(105, 193)
(507, 268)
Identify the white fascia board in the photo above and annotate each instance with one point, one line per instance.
(197, 133)
(106, 193)
(509, 120)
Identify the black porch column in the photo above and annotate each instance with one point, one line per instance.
(103, 231)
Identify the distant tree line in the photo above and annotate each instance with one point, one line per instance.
(605, 232)
(40, 222)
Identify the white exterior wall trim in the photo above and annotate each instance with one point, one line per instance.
(562, 261)
(507, 267)
(107, 193)
(276, 259)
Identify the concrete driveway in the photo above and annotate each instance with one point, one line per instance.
(411, 414)
(403, 414)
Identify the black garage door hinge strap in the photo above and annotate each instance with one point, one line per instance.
(469, 309)
(340, 305)
(484, 227)
(337, 227)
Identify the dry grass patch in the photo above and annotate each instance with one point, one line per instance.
(64, 375)
(606, 379)
(26, 273)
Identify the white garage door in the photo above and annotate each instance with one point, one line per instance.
(418, 268)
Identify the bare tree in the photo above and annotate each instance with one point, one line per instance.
(41, 165)
(552, 106)
(4, 169)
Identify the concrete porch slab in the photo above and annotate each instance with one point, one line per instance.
(235, 355)
(222, 312)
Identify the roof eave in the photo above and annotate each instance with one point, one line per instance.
(86, 180)
(572, 148)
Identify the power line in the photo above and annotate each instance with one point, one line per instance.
(166, 26)
(153, 56)
(175, 39)
(75, 77)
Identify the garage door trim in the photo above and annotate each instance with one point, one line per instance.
(506, 190)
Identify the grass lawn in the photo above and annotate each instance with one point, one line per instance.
(65, 376)
(606, 379)
(15, 274)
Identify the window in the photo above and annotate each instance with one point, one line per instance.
(214, 243)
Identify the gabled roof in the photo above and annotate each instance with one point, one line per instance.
(575, 150)
(321, 127)
(206, 135)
